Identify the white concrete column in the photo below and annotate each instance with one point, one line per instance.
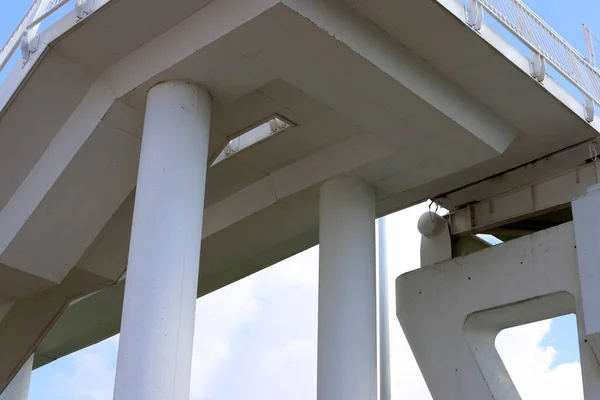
(347, 330)
(157, 328)
(18, 388)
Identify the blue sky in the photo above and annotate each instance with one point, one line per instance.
(249, 322)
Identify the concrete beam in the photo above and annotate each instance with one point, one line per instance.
(409, 70)
(28, 320)
(78, 183)
(530, 200)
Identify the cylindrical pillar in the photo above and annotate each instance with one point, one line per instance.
(347, 330)
(155, 348)
(385, 383)
(18, 388)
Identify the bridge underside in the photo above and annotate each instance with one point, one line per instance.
(368, 97)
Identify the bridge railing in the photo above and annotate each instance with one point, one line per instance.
(512, 14)
(24, 36)
(542, 40)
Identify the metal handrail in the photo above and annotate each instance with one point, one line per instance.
(29, 25)
(512, 14)
(51, 8)
(543, 40)
(14, 39)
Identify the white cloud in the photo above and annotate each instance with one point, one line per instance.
(301, 269)
(93, 376)
(288, 372)
(275, 357)
(256, 339)
(529, 364)
(219, 315)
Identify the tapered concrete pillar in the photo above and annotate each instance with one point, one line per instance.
(157, 328)
(347, 330)
(18, 388)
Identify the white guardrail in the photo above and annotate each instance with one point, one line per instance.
(24, 36)
(544, 42)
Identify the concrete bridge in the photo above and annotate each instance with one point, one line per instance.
(152, 152)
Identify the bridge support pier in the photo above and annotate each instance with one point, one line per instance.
(155, 349)
(347, 337)
(18, 388)
(452, 309)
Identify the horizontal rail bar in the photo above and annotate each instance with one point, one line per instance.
(47, 13)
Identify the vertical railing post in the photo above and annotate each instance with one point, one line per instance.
(83, 8)
(474, 14)
(589, 46)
